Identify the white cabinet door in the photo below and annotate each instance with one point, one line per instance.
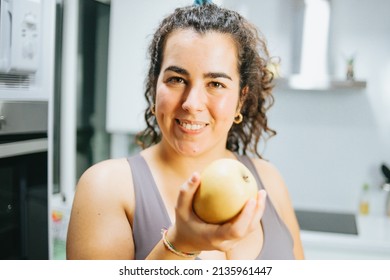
(132, 24)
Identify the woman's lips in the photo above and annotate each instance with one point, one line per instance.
(191, 125)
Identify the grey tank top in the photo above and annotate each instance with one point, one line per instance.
(151, 216)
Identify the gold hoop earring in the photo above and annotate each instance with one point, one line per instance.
(238, 119)
(153, 109)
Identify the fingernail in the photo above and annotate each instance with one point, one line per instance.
(252, 203)
(193, 178)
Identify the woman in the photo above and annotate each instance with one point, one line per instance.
(208, 90)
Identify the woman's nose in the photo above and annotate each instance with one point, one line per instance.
(194, 100)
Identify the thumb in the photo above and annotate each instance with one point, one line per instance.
(187, 190)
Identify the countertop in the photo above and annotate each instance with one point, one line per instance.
(371, 242)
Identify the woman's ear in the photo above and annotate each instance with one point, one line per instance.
(243, 95)
(244, 91)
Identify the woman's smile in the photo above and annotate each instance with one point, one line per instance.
(197, 91)
(191, 126)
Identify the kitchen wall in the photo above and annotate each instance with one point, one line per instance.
(329, 142)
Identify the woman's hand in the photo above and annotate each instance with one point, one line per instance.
(190, 233)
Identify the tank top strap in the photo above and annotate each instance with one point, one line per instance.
(150, 215)
(278, 242)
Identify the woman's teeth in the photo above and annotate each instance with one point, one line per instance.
(192, 126)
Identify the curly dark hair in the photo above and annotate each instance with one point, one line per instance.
(252, 65)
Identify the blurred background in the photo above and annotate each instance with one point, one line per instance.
(86, 62)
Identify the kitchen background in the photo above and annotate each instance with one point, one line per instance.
(333, 134)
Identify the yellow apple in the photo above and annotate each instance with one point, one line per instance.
(226, 185)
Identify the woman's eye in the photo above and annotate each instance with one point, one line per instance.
(216, 85)
(176, 80)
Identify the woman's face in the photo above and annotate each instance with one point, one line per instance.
(197, 91)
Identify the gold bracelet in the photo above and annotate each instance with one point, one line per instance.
(172, 248)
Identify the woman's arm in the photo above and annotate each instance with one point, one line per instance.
(99, 226)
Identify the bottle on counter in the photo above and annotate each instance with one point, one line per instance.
(364, 202)
(386, 188)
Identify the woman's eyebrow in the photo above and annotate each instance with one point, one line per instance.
(183, 71)
(177, 69)
(217, 75)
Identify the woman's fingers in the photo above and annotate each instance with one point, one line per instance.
(250, 216)
(240, 225)
(260, 207)
(187, 192)
(221, 237)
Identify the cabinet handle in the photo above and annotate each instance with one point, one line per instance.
(2, 122)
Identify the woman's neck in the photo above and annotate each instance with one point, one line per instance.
(183, 164)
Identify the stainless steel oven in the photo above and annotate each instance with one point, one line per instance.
(24, 214)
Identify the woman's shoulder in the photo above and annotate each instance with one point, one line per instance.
(106, 180)
(103, 201)
(107, 171)
(266, 170)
